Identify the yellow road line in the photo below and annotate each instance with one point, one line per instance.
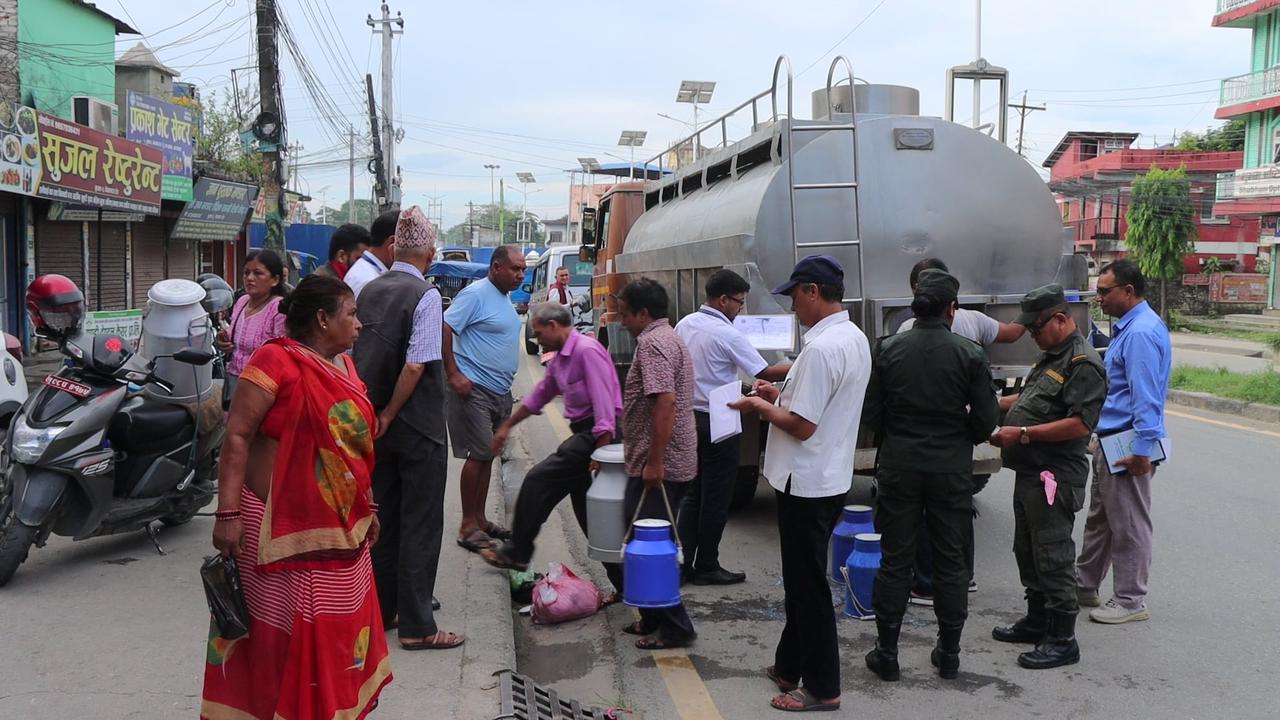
(688, 692)
(1222, 423)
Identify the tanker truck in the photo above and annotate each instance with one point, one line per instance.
(866, 180)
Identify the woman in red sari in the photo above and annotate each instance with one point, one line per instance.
(295, 507)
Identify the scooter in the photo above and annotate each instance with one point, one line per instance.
(91, 454)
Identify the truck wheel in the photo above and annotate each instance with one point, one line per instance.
(15, 542)
(530, 345)
(744, 489)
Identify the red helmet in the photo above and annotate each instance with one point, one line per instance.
(56, 306)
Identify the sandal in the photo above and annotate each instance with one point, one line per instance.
(657, 643)
(612, 598)
(637, 628)
(475, 541)
(442, 640)
(497, 532)
(785, 686)
(801, 700)
(497, 556)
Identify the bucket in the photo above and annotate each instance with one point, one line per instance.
(859, 575)
(175, 320)
(855, 519)
(606, 514)
(651, 566)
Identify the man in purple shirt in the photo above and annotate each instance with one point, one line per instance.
(583, 374)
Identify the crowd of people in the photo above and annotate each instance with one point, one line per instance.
(336, 549)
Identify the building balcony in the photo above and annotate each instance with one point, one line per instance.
(1240, 13)
(1251, 92)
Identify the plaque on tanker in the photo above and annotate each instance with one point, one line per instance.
(768, 332)
(913, 138)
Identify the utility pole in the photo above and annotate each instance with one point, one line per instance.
(388, 126)
(351, 178)
(269, 93)
(1023, 111)
(471, 224)
(381, 187)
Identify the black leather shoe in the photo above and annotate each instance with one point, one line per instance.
(946, 655)
(883, 660)
(1030, 628)
(719, 576)
(435, 604)
(1059, 646)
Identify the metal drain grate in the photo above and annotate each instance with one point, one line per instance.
(523, 699)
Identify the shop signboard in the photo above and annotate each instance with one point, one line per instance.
(61, 212)
(217, 211)
(171, 128)
(1244, 288)
(87, 167)
(297, 210)
(125, 323)
(19, 150)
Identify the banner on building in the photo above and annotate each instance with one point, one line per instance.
(87, 167)
(20, 165)
(1247, 288)
(217, 211)
(171, 128)
(296, 208)
(125, 323)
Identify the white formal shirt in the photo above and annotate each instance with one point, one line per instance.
(719, 350)
(365, 269)
(978, 327)
(825, 386)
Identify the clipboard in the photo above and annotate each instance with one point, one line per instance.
(1118, 446)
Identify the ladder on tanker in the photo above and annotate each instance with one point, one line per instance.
(801, 247)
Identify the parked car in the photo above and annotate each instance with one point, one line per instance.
(13, 383)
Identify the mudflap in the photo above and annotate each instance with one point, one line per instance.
(35, 493)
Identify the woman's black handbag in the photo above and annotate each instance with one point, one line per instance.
(222, 589)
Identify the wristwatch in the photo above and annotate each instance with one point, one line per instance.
(1024, 438)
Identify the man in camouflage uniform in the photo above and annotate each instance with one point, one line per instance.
(1047, 428)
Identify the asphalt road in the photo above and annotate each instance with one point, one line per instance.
(1209, 650)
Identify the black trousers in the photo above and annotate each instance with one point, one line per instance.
(943, 502)
(705, 509)
(673, 624)
(924, 549)
(1042, 542)
(808, 651)
(408, 485)
(566, 472)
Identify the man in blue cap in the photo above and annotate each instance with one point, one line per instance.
(809, 462)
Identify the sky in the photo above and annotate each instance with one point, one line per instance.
(532, 86)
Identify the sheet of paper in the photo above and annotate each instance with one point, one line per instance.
(768, 332)
(725, 421)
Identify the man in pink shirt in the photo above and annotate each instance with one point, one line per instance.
(581, 371)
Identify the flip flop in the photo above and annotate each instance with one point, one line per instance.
(475, 541)
(637, 628)
(785, 686)
(442, 640)
(497, 532)
(657, 643)
(497, 557)
(608, 599)
(807, 702)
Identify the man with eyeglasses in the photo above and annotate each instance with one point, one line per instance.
(1117, 532)
(719, 351)
(1044, 438)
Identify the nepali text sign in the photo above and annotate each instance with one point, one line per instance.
(125, 323)
(1242, 288)
(19, 150)
(87, 167)
(216, 212)
(171, 128)
(1252, 183)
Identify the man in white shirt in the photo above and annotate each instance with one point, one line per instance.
(379, 256)
(559, 291)
(809, 463)
(719, 352)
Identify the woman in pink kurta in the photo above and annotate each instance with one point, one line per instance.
(256, 316)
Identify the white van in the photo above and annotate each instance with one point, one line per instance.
(544, 274)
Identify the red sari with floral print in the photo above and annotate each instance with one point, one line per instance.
(316, 647)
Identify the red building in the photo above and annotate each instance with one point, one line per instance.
(1091, 174)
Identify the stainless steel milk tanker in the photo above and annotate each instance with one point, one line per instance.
(176, 320)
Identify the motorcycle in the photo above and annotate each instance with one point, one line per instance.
(91, 453)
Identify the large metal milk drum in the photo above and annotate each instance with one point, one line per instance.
(606, 518)
(176, 320)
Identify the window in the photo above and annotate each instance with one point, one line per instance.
(602, 224)
(555, 237)
(1114, 144)
(579, 272)
(1088, 150)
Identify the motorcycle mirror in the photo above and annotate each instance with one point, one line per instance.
(191, 356)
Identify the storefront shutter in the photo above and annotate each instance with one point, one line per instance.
(148, 258)
(59, 249)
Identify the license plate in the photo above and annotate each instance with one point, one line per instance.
(68, 386)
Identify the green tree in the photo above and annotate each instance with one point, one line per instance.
(486, 216)
(1162, 230)
(1227, 138)
(365, 213)
(218, 143)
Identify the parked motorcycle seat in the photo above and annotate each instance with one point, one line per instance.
(143, 426)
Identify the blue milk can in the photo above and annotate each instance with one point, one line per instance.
(855, 519)
(859, 574)
(650, 566)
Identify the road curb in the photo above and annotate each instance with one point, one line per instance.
(1227, 406)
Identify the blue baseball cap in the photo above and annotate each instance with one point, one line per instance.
(819, 269)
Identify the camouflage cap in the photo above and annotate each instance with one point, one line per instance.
(938, 284)
(1039, 300)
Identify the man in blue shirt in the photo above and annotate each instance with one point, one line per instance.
(481, 339)
(1118, 531)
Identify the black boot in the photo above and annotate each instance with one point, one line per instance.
(1058, 647)
(883, 660)
(1028, 629)
(946, 656)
